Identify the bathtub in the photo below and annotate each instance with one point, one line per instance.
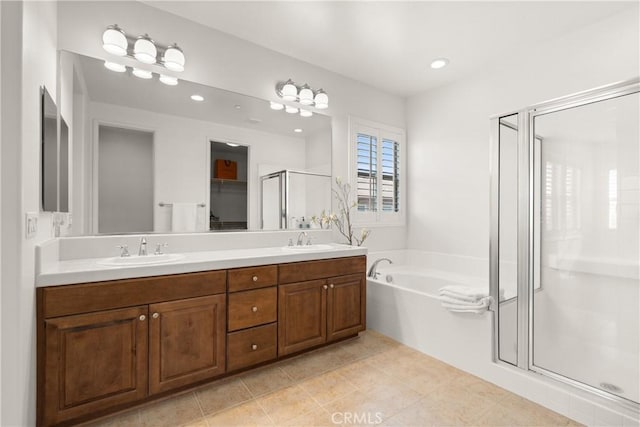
(403, 304)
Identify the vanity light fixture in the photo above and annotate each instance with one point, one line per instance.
(142, 74)
(168, 80)
(116, 42)
(197, 98)
(290, 110)
(297, 130)
(114, 66)
(439, 63)
(305, 95)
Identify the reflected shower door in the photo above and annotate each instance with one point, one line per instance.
(586, 227)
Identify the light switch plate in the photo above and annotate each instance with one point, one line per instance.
(31, 224)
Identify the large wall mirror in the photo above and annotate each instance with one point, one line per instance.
(54, 158)
(146, 157)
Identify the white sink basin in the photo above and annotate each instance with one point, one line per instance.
(140, 260)
(308, 248)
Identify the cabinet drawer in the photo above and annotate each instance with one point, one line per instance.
(242, 279)
(252, 308)
(312, 270)
(251, 346)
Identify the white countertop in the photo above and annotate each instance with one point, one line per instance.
(88, 270)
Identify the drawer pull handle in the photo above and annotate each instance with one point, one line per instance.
(324, 286)
(255, 278)
(331, 286)
(155, 315)
(142, 317)
(254, 308)
(254, 347)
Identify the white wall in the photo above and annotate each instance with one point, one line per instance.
(220, 60)
(448, 127)
(29, 44)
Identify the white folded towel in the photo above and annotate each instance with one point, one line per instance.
(184, 216)
(463, 292)
(445, 299)
(462, 309)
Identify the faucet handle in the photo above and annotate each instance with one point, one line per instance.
(159, 247)
(124, 250)
(290, 242)
(309, 242)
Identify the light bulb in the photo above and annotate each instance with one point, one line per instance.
(144, 50)
(168, 80)
(306, 95)
(173, 58)
(143, 74)
(297, 130)
(276, 106)
(291, 110)
(114, 41)
(113, 66)
(289, 91)
(197, 98)
(305, 113)
(321, 100)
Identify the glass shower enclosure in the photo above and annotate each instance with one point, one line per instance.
(565, 240)
(290, 198)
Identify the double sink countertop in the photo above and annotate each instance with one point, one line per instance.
(102, 269)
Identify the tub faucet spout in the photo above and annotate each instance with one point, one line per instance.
(373, 270)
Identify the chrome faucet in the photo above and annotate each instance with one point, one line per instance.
(143, 247)
(124, 250)
(302, 235)
(372, 271)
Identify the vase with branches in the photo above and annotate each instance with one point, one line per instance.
(342, 220)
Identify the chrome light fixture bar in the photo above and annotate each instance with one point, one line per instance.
(142, 48)
(303, 94)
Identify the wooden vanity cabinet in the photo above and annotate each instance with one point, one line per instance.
(314, 312)
(167, 332)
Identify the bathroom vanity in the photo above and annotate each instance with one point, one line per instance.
(111, 344)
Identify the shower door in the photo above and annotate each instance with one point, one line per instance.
(565, 210)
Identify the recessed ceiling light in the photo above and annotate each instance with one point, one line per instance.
(198, 98)
(113, 66)
(168, 80)
(237, 107)
(439, 63)
(143, 74)
(276, 105)
(306, 113)
(297, 130)
(231, 144)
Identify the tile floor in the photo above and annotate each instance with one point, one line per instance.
(371, 380)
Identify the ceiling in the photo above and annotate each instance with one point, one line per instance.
(219, 106)
(389, 45)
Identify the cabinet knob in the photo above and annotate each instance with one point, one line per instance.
(254, 308)
(331, 286)
(155, 315)
(254, 347)
(255, 278)
(142, 317)
(324, 286)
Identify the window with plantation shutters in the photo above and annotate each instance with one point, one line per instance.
(378, 153)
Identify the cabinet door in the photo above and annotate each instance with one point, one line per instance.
(94, 361)
(346, 306)
(302, 316)
(187, 341)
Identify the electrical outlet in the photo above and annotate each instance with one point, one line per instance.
(31, 223)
